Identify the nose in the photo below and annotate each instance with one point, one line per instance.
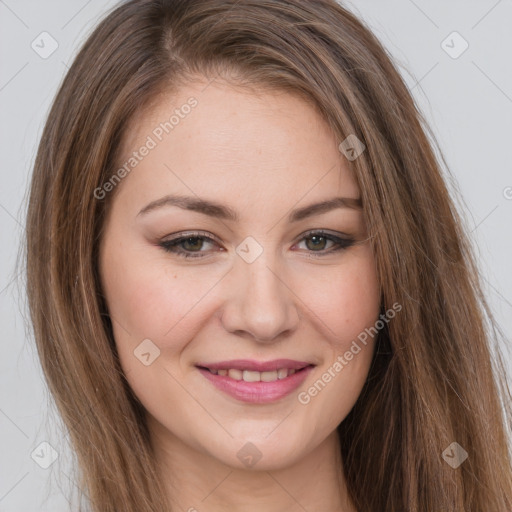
(260, 303)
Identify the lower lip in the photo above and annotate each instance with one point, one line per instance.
(257, 392)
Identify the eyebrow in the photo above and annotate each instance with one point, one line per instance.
(214, 209)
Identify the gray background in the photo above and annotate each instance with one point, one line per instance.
(467, 100)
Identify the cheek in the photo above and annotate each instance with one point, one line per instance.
(168, 305)
(345, 300)
(149, 298)
(347, 307)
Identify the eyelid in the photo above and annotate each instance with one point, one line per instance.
(210, 236)
(324, 232)
(192, 234)
(341, 241)
(171, 245)
(178, 238)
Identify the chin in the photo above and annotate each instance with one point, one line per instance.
(261, 452)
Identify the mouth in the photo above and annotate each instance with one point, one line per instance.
(255, 376)
(254, 381)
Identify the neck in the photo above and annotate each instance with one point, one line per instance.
(195, 481)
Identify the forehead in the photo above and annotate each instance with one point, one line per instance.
(219, 139)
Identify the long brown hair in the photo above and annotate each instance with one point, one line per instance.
(436, 376)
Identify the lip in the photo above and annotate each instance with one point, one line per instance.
(257, 392)
(256, 366)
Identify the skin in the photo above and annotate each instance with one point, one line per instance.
(263, 155)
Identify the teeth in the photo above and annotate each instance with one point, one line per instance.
(235, 374)
(282, 373)
(253, 376)
(249, 376)
(268, 376)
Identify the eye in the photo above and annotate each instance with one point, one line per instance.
(199, 244)
(190, 245)
(324, 243)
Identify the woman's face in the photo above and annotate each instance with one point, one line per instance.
(232, 314)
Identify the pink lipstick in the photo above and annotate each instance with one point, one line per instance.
(256, 382)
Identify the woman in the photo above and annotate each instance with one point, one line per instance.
(249, 286)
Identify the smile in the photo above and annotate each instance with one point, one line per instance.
(256, 382)
(254, 376)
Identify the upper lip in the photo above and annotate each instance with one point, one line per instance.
(256, 366)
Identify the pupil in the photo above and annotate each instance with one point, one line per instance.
(191, 245)
(318, 241)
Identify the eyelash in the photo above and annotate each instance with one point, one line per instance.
(172, 246)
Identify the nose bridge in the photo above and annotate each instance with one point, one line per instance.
(262, 305)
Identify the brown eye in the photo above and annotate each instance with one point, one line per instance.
(192, 244)
(316, 242)
(324, 243)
